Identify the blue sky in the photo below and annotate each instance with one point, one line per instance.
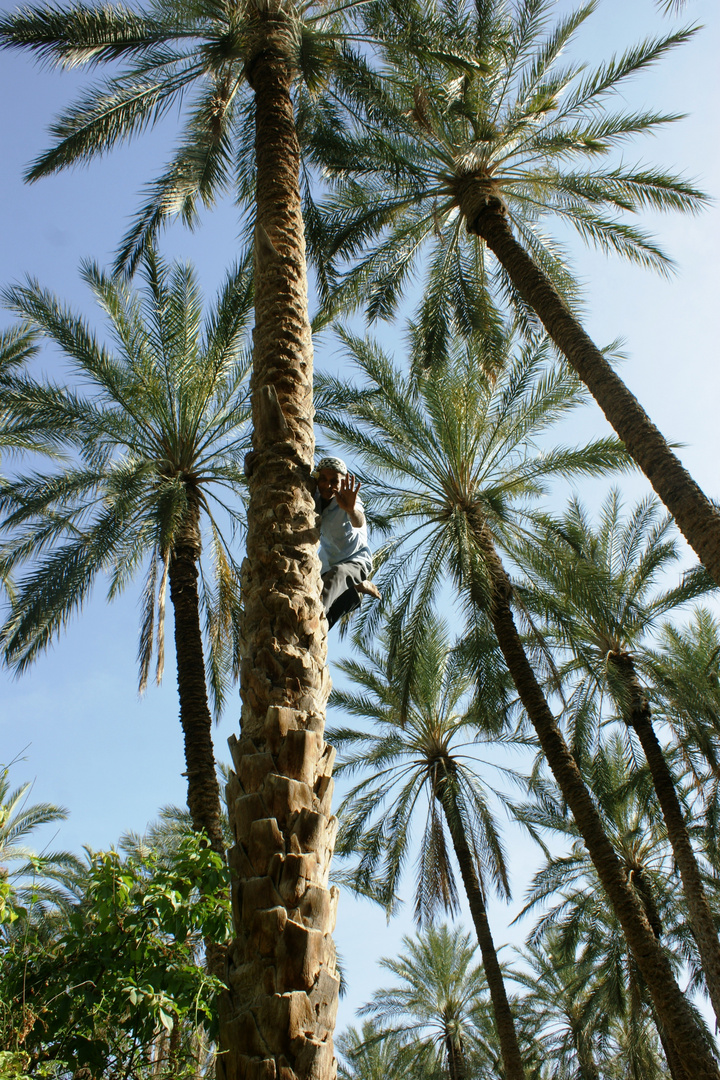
(75, 718)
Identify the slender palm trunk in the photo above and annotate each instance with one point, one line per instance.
(283, 985)
(674, 1062)
(672, 1008)
(587, 1069)
(697, 518)
(504, 1023)
(203, 790)
(637, 714)
(457, 1064)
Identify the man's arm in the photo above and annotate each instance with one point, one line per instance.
(346, 499)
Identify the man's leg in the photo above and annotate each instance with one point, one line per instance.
(340, 595)
(368, 588)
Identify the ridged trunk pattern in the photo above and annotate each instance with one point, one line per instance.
(637, 714)
(203, 789)
(457, 1065)
(283, 984)
(674, 1064)
(672, 1008)
(696, 517)
(502, 1014)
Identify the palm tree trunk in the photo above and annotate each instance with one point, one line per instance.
(504, 1023)
(636, 713)
(457, 1065)
(587, 1069)
(203, 790)
(674, 1063)
(672, 1008)
(697, 518)
(283, 984)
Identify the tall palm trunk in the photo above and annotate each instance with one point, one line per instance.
(504, 1023)
(457, 1063)
(587, 1069)
(672, 1008)
(283, 985)
(636, 713)
(696, 517)
(203, 790)
(672, 1058)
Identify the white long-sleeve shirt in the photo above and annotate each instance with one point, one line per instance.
(340, 540)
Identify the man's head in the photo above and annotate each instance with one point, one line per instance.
(329, 472)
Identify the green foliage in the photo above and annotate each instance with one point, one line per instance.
(152, 430)
(446, 453)
(164, 56)
(117, 984)
(429, 132)
(413, 763)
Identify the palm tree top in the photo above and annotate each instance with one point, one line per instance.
(169, 398)
(36, 877)
(609, 586)
(162, 56)
(438, 983)
(452, 451)
(503, 115)
(464, 437)
(402, 755)
(600, 590)
(152, 432)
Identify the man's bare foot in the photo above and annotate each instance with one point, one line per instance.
(368, 588)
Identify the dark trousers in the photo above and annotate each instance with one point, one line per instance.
(339, 595)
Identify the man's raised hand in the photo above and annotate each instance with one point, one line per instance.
(346, 496)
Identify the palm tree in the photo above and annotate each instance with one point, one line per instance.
(579, 928)
(598, 591)
(156, 427)
(455, 451)
(372, 1055)
(164, 52)
(565, 1002)
(683, 675)
(559, 1000)
(411, 759)
(483, 127)
(36, 880)
(430, 1009)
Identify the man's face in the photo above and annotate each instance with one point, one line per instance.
(328, 483)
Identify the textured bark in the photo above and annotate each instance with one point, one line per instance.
(587, 1069)
(203, 791)
(674, 1063)
(672, 1008)
(457, 1064)
(283, 984)
(636, 713)
(696, 517)
(502, 1013)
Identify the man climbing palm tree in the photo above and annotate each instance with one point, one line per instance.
(345, 559)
